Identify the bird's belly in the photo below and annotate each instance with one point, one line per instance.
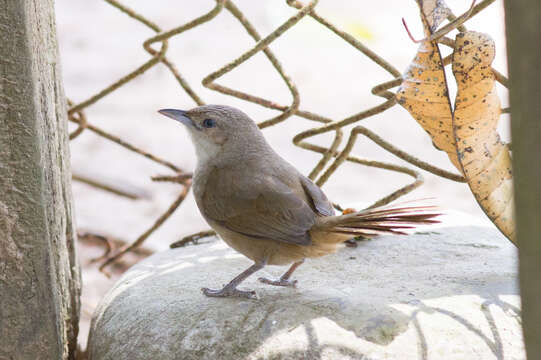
(275, 252)
(260, 250)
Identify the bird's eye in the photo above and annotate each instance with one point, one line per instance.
(209, 123)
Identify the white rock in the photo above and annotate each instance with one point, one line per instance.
(448, 294)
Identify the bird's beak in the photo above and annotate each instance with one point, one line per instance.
(178, 115)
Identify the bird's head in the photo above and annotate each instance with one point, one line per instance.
(213, 127)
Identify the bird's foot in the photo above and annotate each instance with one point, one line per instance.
(230, 292)
(279, 282)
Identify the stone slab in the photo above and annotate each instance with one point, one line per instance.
(448, 293)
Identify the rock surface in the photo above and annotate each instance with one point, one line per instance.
(450, 293)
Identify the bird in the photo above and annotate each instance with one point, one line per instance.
(263, 207)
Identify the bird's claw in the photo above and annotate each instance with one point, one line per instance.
(279, 282)
(225, 292)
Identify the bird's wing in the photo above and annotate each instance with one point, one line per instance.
(319, 201)
(263, 207)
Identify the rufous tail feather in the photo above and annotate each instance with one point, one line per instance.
(379, 221)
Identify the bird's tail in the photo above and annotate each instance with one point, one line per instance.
(379, 221)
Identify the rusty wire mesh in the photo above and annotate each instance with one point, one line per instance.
(331, 157)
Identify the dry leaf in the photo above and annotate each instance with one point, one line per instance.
(424, 91)
(436, 11)
(485, 160)
(469, 136)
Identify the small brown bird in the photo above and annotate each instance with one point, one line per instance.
(261, 206)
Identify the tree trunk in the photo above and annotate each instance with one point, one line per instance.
(39, 276)
(524, 49)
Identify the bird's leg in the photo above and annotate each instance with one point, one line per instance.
(284, 279)
(230, 290)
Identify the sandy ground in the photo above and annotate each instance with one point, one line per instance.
(99, 44)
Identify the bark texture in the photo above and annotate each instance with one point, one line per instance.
(39, 277)
(524, 49)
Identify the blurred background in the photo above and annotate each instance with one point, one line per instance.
(99, 44)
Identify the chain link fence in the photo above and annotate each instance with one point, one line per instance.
(331, 158)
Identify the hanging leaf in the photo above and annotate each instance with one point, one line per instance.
(485, 160)
(424, 91)
(435, 12)
(469, 135)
